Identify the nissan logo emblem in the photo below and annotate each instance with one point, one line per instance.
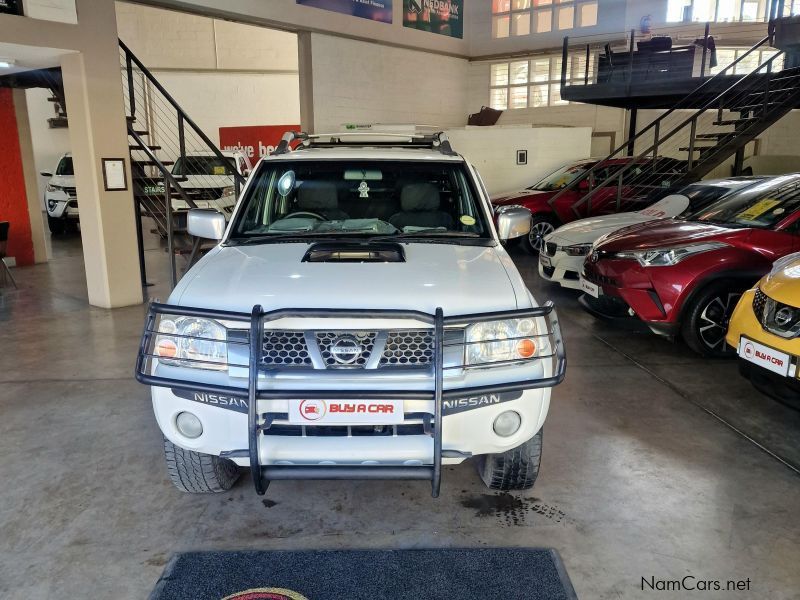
(595, 256)
(346, 349)
(784, 316)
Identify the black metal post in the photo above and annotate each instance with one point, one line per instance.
(564, 58)
(588, 58)
(705, 49)
(630, 58)
(140, 241)
(173, 275)
(256, 334)
(131, 91)
(437, 400)
(656, 133)
(738, 162)
(633, 114)
(692, 135)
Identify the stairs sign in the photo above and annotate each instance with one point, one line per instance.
(256, 141)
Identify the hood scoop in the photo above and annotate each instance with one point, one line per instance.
(357, 252)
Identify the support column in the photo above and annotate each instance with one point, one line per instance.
(97, 128)
(306, 74)
(29, 172)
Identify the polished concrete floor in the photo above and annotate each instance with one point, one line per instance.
(656, 465)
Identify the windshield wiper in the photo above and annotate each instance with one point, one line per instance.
(423, 234)
(299, 235)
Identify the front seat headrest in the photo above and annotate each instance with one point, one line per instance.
(317, 196)
(419, 197)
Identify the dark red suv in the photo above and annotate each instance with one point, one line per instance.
(547, 218)
(684, 277)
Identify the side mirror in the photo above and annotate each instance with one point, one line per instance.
(46, 174)
(206, 223)
(513, 222)
(584, 185)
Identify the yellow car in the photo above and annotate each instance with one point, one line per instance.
(765, 330)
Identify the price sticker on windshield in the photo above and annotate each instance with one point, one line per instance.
(219, 170)
(758, 209)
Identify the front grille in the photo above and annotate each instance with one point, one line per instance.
(285, 348)
(550, 248)
(759, 304)
(71, 191)
(204, 193)
(405, 348)
(72, 204)
(365, 340)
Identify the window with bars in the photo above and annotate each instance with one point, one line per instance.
(719, 11)
(524, 17)
(534, 82)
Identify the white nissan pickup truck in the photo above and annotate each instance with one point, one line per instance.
(358, 319)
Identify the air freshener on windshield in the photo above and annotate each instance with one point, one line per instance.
(363, 190)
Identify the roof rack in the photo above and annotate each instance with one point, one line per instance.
(436, 141)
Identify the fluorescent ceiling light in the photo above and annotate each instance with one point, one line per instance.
(6, 63)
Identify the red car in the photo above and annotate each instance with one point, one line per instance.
(547, 218)
(684, 277)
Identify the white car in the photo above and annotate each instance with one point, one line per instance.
(208, 180)
(60, 198)
(394, 333)
(564, 250)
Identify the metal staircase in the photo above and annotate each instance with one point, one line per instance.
(700, 138)
(162, 136)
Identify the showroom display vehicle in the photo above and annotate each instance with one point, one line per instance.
(552, 206)
(684, 277)
(395, 334)
(765, 332)
(60, 197)
(209, 181)
(564, 251)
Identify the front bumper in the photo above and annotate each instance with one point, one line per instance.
(745, 325)
(448, 409)
(563, 269)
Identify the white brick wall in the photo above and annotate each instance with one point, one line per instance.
(369, 83)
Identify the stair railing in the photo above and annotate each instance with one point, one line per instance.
(655, 125)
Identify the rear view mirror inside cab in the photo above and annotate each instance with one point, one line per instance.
(363, 175)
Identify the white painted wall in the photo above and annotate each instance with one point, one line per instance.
(493, 151)
(363, 82)
(51, 10)
(48, 144)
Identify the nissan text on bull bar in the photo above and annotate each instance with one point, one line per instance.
(358, 319)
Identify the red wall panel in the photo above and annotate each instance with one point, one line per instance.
(13, 198)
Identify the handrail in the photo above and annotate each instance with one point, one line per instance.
(679, 106)
(618, 173)
(160, 166)
(181, 113)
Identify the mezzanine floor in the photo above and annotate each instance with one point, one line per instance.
(639, 478)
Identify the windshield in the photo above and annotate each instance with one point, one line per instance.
(65, 166)
(203, 165)
(376, 198)
(762, 206)
(560, 179)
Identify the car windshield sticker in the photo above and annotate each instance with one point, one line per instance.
(363, 189)
(219, 170)
(467, 220)
(758, 209)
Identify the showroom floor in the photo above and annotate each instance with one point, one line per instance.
(647, 471)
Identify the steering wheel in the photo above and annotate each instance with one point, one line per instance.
(305, 213)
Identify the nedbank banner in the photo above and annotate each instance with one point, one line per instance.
(375, 10)
(445, 17)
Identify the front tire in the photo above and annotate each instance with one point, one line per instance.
(196, 473)
(515, 469)
(56, 226)
(706, 321)
(541, 227)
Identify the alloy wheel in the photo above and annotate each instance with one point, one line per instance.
(713, 322)
(539, 231)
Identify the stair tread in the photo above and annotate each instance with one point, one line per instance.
(152, 163)
(139, 147)
(713, 136)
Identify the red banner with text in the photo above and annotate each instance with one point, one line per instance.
(255, 141)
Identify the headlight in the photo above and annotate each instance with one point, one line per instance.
(229, 192)
(577, 250)
(666, 257)
(54, 188)
(782, 263)
(499, 341)
(191, 342)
